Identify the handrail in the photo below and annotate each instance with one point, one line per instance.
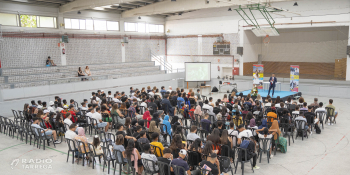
(167, 66)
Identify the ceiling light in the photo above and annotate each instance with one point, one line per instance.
(107, 6)
(139, 17)
(229, 9)
(98, 8)
(21, 0)
(295, 4)
(116, 4)
(79, 12)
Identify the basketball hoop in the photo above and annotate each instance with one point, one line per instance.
(266, 40)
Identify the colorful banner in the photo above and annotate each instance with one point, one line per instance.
(258, 75)
(294, 78)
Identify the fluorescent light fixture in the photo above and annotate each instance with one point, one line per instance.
(107, 6)
(98, 8)
(21, 0)
(116, 4)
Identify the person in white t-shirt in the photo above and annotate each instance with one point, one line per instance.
(144, 104)
(83, 107)
(115, 99)
(50, 108)
(264, 134)
(170, 89)
(243, 133)
(70, 133)
(39, 104)
(68, 120)
(151, 93)
(320, 108)
(98, 117)
(233, 132)
(268, 104)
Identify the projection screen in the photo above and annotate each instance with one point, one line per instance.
(197, 71)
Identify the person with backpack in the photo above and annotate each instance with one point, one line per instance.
(243, 133)
(249, 144)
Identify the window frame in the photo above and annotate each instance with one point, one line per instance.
(158, 28)
(113, 21)
(54, 21)
(18, 21)
(136, 30)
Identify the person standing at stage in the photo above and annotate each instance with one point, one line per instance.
(273, 81)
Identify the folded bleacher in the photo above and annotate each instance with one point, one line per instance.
(40, 76)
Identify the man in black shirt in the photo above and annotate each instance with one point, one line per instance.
(310, 116)
(216, 109)
(171, 110)
(167, 158)
(212, 164)
(153, 106)
(120, 129)
(137, 133)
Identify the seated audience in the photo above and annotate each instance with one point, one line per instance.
(334, 113)
(155, 137)
(48, 132)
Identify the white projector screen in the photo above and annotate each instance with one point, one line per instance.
(198, 71)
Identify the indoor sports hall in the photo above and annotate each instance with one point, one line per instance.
(174, 87)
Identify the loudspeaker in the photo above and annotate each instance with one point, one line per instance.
(219, 39)
(220, 82)
(240, 51)
(348, 50)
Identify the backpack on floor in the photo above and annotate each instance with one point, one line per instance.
(318, 130)
(215, 89)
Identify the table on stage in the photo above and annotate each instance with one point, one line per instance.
(268, 83)
(232, 84)
(203, 87)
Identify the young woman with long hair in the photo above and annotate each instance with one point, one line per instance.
(176, 145)
(133, 154)
(96, 143)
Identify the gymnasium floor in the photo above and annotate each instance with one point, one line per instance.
(327, 153)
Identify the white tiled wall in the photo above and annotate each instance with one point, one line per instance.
(28, 52)
(33, 52)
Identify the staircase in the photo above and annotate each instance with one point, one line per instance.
(164, 65)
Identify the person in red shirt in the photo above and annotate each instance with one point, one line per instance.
(191, 112)
(71, 111)
(47, 123)
(64, 112)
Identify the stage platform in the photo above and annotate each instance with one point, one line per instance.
(263, 93)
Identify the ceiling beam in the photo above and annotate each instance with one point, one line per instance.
(89, 4)
(167, 6)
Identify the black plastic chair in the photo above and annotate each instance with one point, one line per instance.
(103, 138)
(225, 164)
(242, 158)
(157, 149)
(150, 167)
(264, 147)
(108, 157)
(117, 161)
(82, 150)
(42, 137)
(287, 130)
(93, 155)
(300, 127)
(164, 168)
(330, 115)
(71, 148)
(321, 115)
(28, 132)
(194, 158)
(165, 133)
(178, 170)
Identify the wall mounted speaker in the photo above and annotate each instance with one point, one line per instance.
(240, 51)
